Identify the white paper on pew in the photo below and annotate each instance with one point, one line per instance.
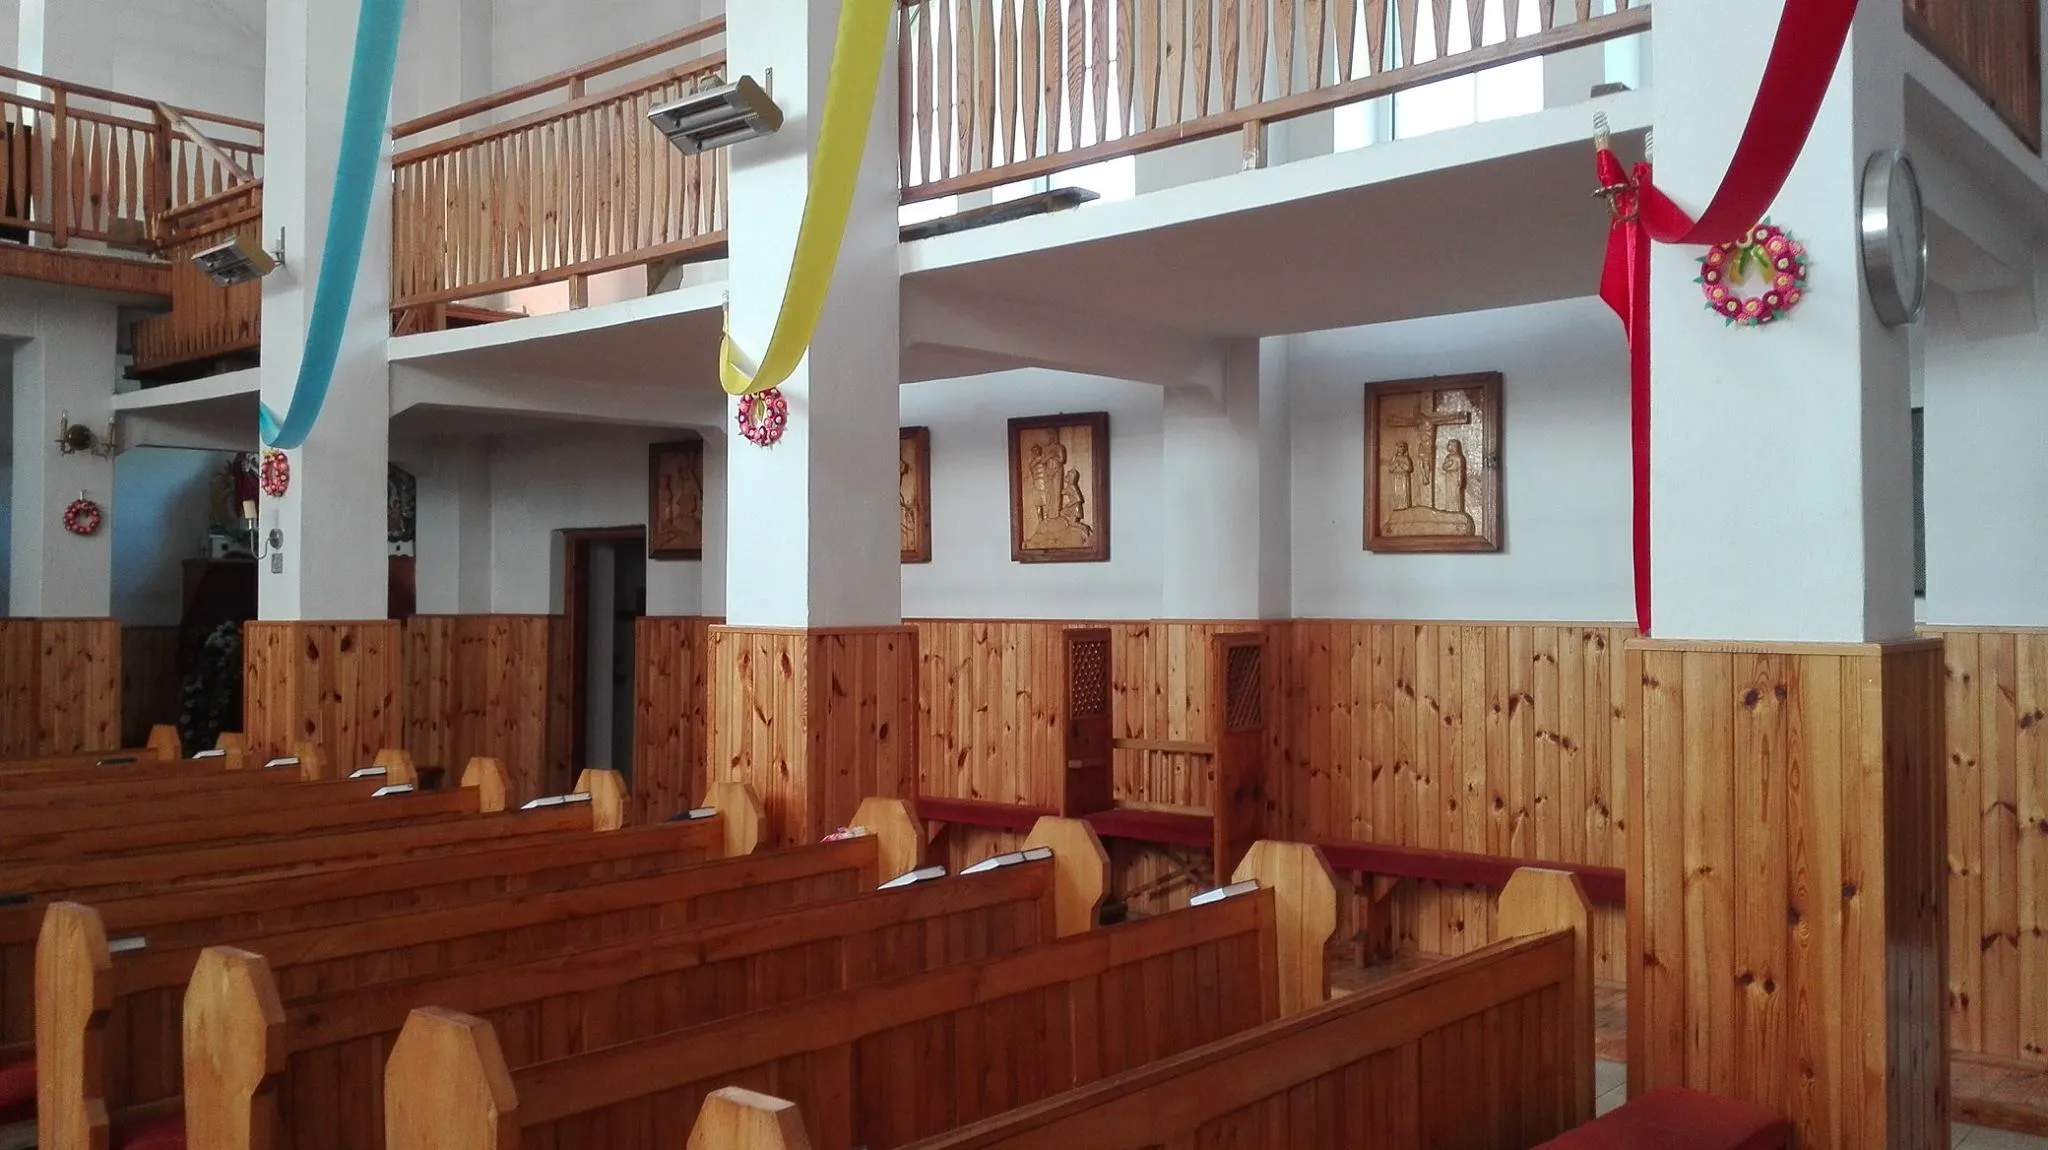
(556, 801)
(1011, 859)
(216, 753)
(274, 764)
(1223, 892)
(368, 772)
(393, 789)
(133, 942)
(695, 813)
(912, 878)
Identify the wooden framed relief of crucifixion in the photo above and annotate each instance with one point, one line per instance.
(1432, 464)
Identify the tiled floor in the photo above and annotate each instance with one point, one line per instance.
(2005, 1093)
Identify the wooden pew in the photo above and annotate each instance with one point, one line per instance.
(359, 804)
(339, 877)
(883, 1064)
(163, 745)
(179, 805)
(1489, 1051)
(127, 1005)
(28, 774)
(332, 1042)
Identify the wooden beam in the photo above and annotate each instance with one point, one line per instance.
(213, 151)
(89, 271)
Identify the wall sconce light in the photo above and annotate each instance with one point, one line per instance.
(718, 117)
(73, 438)
(263, 546)
(240, 260)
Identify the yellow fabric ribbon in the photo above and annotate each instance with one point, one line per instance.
(835, 169)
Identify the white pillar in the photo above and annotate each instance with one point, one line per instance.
(812, 539)
(1781, 484)
(454, 545)
(1215, 476)
(334, 559)
(67, 366)
(444, 60)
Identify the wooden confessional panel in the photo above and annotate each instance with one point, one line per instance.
(1238, 706)
(1086, 783)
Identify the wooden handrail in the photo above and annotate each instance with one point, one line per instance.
(707, 63)
(51, 84)
(570, 77)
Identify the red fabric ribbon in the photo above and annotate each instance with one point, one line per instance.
(1811, 36)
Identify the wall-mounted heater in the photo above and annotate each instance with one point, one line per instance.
(239, 261)
(718, 117)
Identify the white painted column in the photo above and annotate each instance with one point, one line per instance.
(812, 522)
(334, 560)
(454, 545)
(66, 366)
(1213, 533)
(68, 40)
(1781, 486)
(444, 60)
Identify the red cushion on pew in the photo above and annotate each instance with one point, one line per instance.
(165, 1133)
(18, 1090)
(1673, 1118)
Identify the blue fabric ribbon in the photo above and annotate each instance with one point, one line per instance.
(348, 218)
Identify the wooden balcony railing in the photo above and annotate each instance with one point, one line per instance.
(585, 185)
(1000, 90)
(83, 163)
(1995, 46)
(206, 322)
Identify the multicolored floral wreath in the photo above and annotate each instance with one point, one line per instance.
(763, 417)
(1769, 249)
(82, 517)
(277, 472)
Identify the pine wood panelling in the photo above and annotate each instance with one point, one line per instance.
(150, 691)
(1491, 738)
(1995, 48)
(986, 101)
(1786, 884)
(477, 685)
(60, 686)
(336, 684)
(1996, 757)
(815, 721)
(670, 696)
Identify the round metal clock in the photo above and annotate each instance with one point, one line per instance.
(1893, 225)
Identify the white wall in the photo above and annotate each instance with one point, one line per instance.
(204, 54)
(533, 38)
(1565, 489)
(971, 575)
(163, 502)
(542, 484)
(1986, 476)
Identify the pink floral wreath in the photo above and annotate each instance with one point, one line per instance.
(277, 472)
(763, 417)
(1769, 249)
(82, 517)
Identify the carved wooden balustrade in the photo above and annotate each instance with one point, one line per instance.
(207, 322)
(1995, 47)
(85, 164)
(995, 91)
(576, 187)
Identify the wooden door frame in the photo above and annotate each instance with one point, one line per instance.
(576, 543)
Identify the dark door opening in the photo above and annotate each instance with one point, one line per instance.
(604, 594)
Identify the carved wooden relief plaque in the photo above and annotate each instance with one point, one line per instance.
(1432, 464)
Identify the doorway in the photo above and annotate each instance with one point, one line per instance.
(604, 594)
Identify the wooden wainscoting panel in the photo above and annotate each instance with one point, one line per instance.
(337, 684)
(759, 683)
(60, 686)
(150, 690)
(988, 710)
(670, 702)
(477, 685)
(1996, 758)
(1786, 883)
(1491, 738)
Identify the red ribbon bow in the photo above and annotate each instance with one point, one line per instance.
(1811, 36)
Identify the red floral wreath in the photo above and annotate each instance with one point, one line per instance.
(82, 517)
(277, 472)
(763, 417)
(1768, 249)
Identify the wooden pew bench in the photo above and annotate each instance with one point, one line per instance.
(1674, 1118)
(352, 805)
(1489, 1051)
(119, 788)
(872, 1066)
(163, 745)
(128, 1005)
(343, 876)
(332, 1043)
